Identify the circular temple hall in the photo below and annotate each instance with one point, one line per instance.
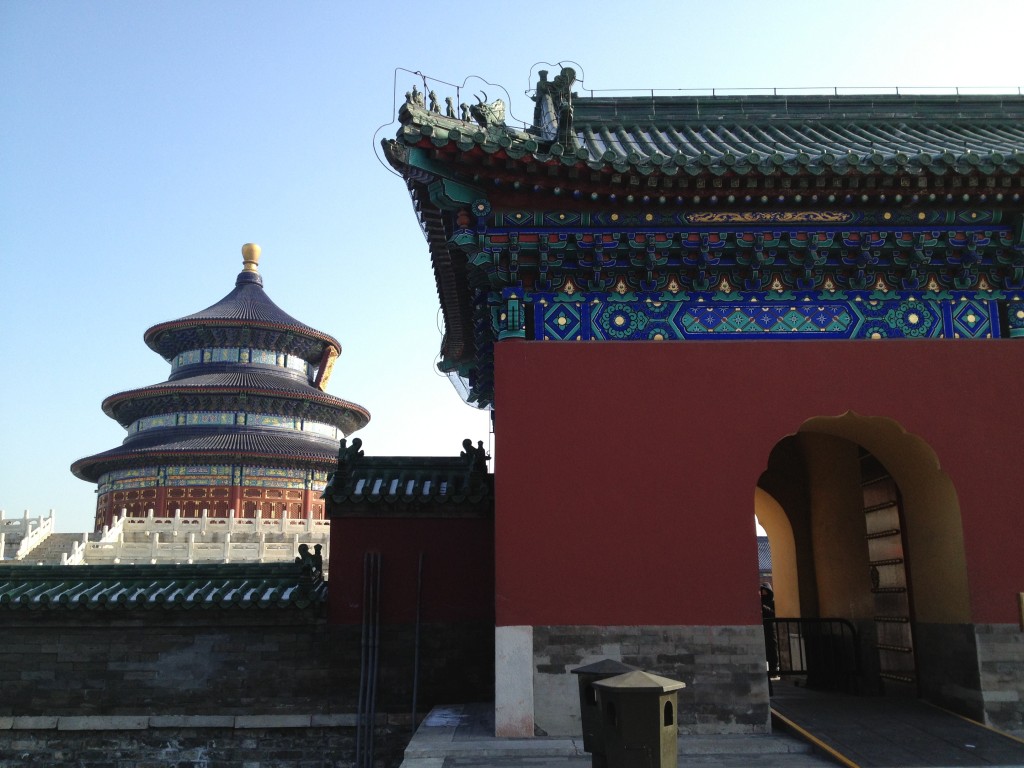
(242, 425)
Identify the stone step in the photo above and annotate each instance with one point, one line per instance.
(473, 750)
(49, 550)
(774, 744)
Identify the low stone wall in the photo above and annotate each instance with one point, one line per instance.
(238, 687)
(723, 668)
(226, 662)
(242, 742)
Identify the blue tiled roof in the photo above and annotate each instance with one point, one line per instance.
(246, 307)
(127, 406)
(174, 445)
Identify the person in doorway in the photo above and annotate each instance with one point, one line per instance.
(771, 642)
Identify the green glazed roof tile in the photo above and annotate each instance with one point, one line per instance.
(167, 586)
(765, 134)
(399, 481)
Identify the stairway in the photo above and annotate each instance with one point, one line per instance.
(49, 550)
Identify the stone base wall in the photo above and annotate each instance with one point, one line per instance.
(990, 689)
(723, 668)
(1001, 662)
(227, 662)
(947, 676)
(141, 744)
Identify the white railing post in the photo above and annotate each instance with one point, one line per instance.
(114, 532)
(309, 520)
(191, 545)
(227, 548)
(205, 518)
(77, 554)
(154, 547)
(34, 532)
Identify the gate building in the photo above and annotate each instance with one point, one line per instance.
(689, 311)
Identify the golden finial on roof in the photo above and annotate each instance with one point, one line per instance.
(250, 257)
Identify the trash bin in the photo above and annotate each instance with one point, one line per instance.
(590, 713)
(638, 718)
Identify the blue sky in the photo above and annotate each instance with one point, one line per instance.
(142, 143)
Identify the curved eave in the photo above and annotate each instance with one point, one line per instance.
(161, 338)
(91, 468)
(125, 418)
(449, 264)
(449, 274)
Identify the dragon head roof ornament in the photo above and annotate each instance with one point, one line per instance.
(488, 114)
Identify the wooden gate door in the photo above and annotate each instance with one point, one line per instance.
(883, 517)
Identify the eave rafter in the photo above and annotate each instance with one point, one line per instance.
(573, 181)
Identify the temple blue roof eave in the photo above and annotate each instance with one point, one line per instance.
(245, 308)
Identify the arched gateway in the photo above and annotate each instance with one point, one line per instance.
(652, 293)
(866, 529)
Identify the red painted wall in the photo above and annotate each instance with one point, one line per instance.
(626, 471)
(458, 568)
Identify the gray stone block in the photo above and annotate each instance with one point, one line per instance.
(334, 721)
(103, 723)
(192, 721)
(273, 721)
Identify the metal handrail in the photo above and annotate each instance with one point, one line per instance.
(825, 650)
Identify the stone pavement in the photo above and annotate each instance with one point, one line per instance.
(853, 731)
(891, 732)
(461, 736)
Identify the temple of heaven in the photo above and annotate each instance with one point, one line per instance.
(242, 426)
